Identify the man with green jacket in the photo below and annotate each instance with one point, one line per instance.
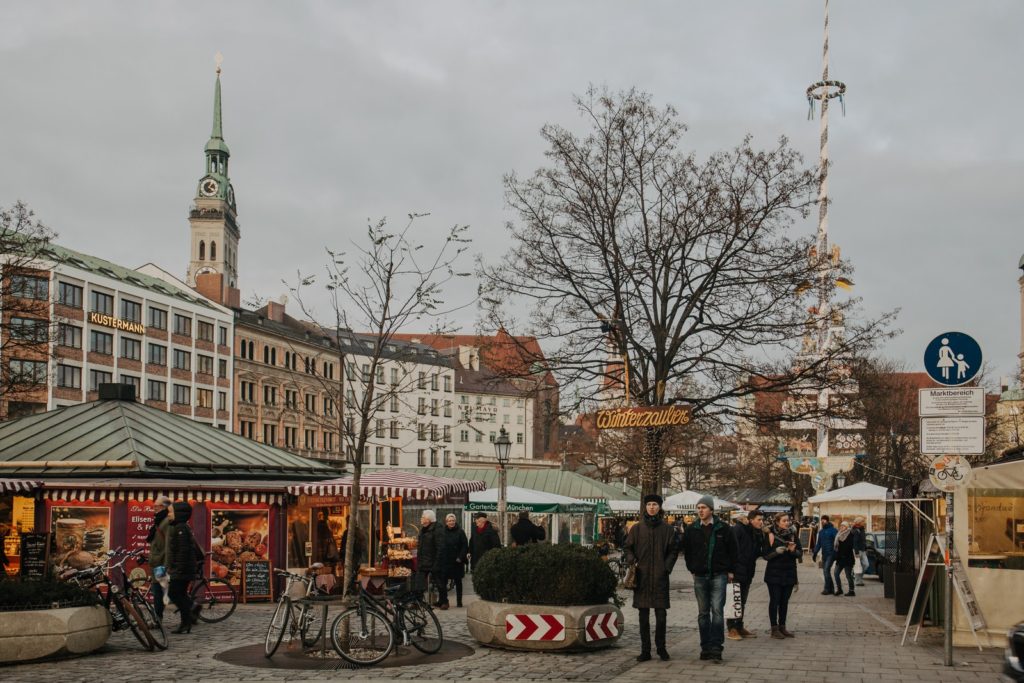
(157, 539)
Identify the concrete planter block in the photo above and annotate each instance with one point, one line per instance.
(491, 623)
(42, 634)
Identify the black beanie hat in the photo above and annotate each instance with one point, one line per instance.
(653, 498)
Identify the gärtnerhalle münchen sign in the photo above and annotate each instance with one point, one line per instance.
(639, 417)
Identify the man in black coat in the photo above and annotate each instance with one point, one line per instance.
(426, 550)
(749, 547)
(525, 532)
(710, 549)
(482, 539)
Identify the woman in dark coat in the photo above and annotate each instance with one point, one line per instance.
(844, 545)
(782, 550)
(652, 546)
(452, 549)
(182, 558)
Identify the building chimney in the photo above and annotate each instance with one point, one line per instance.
(117, 392)
(275, 311)
(211, 285)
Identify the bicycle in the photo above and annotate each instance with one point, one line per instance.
(123, 609)
(216, 596)
(308, 622)
(368, 632)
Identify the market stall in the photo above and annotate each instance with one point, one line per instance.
(564, 519)
(17, 518)
(686, 502)
(389, 506)
(862, 499)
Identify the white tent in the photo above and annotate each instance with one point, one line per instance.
(859, 491)
(624, 506)
(687, 501)
(856, 500)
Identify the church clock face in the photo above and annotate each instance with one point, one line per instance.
(205, 270)
(231, 195)
(209, 187)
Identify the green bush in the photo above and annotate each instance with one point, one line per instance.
(541, 574)
(26, 595)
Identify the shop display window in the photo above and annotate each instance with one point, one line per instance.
(996, 528)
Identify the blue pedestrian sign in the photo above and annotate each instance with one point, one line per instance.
(952, 358)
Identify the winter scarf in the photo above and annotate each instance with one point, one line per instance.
(157, 518)
(652, 520)
(843, 534)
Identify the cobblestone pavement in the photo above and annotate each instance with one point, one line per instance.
(848, 639)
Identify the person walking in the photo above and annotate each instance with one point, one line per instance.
(711, 554)
(652, 547)
(157, 540)
(860, 549)
(483, 539)
(844, 557)
(782, 551)
(749, 546)
(426, 550)
(825, 544)
(525, 532)
(183, 556)
(452, 548)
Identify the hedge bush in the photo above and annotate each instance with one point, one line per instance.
(542, 574)
(26, 595)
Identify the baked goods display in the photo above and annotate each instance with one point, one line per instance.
(401, 550)
(237, 536)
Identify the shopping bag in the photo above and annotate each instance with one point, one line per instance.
(629, 581)
(733, 601)
(858, 566)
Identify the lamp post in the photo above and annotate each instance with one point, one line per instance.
(840, 480)
(502, 449)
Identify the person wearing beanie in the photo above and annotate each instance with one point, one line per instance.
(651, 546)
(482, 539)
(749, 547)
(183, 556)
(711, 556)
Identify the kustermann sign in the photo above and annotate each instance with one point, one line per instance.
(637, 417)
(118, 324)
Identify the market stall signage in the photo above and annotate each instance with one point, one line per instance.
(639, 417)
(539, 508)
(34, 553)
(256, 580)
(117, 323)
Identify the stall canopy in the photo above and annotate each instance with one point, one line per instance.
(390, 484)
(19, 485)
(687, 500)
(560, 482)
(519, 499)
(854, 492)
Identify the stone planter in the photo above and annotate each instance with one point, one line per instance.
(544, 628)
(46, 633)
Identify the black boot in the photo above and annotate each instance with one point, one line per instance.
(660, 627)
(645, 636)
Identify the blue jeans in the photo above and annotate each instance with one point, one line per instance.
(826, 564)
(710, 592)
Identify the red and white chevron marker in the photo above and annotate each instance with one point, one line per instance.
(535, 627)
(601, 626)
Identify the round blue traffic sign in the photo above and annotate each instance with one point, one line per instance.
(952, 358)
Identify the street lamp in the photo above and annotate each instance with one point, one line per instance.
(840, 480)
(502, 449)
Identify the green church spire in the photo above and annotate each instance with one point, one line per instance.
(216, 183)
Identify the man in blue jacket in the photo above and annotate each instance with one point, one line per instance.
(826, 546)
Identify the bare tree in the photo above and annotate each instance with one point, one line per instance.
(689, 264)
(378, 286)
(25, 326)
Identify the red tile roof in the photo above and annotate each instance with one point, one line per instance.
(509, 356)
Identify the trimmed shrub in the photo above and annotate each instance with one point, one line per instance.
(27, 595)
(542, 574)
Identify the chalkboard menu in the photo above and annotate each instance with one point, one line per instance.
(34, 550)
(256, 580)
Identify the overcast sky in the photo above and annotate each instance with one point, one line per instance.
(338, 112)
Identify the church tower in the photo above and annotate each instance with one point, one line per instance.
(214, 217)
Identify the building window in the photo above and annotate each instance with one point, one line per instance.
(433, 382)
(246, 429)
(69, 377)
(447, 408)
(101, 342)
(379, 429)
(202, 250)
(329, 370)
(394, 403)
(380, 374)
(269, 395)
(182, 394)
(421, 458)
(464, 400)
(182, 360)
(222, 400)
(182, 325)
(98, 377)
(447, 433)
(291, 399)
(157, 318)
(309, 439)
(364, 372)
(204, 398)
(505, 419)
(243, 348)
(222, 368)
(213, 244)
(366, 455)
(394, 429)
(464, 436)
(270, 434)
(422, 382)
(69, 295)
(519, 437)
(447, 383)
(433, 432)
(291, 436)
(248, 390)
(379, 455)
(101, 303)
(433, 407)
(394, 456)
(29, 329)
(519, 419)
(421, 408)
(156, 391)
(479, 437)
(394, 376)
(28, 287)
(131, 348)
(447, 458)
(328, 441)
(421, 431)
(433, 457)
(222, 336)
(204, 364)
(491, 437)
(311, 404)
(204, 331)
(328, 406)
(506, 402)
(479, 400)
(135, 382)
(131, 310)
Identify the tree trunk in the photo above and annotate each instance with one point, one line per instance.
(652, 462)
(351, 561)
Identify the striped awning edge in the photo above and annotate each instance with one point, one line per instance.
(390, 485)
(83, 494)
(19, 485)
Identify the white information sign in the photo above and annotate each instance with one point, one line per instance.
(951, 402)
(949, 472)
(956, 435)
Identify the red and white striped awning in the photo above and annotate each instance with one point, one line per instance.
(387, 484)
(18, 485)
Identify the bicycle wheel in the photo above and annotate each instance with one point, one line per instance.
(279, 623)
(311, 624)
(362, 636)
(156, 627)
(135, 623)
(217, 598)
(423, 627)
(614, 566)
